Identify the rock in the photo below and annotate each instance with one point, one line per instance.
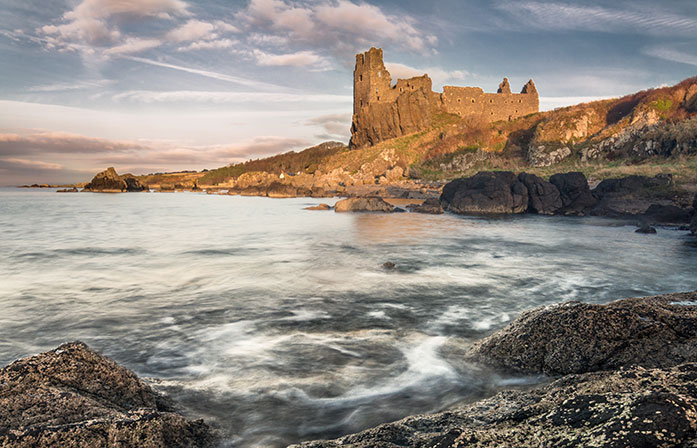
(133, 184)
(68, 190)
(485, 192)
(667, 214)
(543, 197)
(363, 205)
(632, 407)
(694, 202)
(693, 225)
(319, 207)
(576, 196)
(574, 337)
(107, 181)
(431, 206)
(389, 266)
(645, 228)
(630, 195)
(280, 190)
(73, 396)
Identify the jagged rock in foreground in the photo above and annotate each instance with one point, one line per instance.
(430, 206)
(576, 196)
(574, 337)
(109, 181)
(632, 407)
(543, 197)
(631, 195)
(75, 397)
(363, 205)
(486, 192)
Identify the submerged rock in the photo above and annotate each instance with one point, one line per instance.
(319, 207)
(632, 407)
(574, 337)
(363, 205)
(388, 265)
(645, 228)
(486, 192)
(73, 396)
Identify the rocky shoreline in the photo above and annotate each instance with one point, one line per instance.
(623, 375)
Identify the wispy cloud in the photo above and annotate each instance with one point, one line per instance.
(209, 74)
(298, 59)
(66, 86)
(201, 96)
(671, 54)
(570, 16)
(335, 126)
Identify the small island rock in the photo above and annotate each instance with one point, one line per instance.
(363, 205)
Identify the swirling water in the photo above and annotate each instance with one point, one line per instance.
(278, 324)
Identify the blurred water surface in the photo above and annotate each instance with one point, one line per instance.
(278, 324)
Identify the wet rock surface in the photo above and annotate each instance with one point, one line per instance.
(363, 205)
(74, 397)
(486, 192)
(543, 197)
(429, 206)
(667, 214)
(632, 407)
(319, 207)
(574, 337)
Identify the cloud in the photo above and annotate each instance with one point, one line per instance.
(209, 45)
(298, 59)
(61, 143)
(219, 97)
(338, 26)
(565, 16)
(93, 23)
(671, 54)
(78, 85)
(133, 45)
(8, 162)
(334, 125)
(438, 75)
(192, 30)
(549, 103)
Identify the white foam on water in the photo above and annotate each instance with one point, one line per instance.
(685, 303)
(307, 315)
(378, 315)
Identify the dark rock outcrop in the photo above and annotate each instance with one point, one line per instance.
(667, 214)
(363, 205)
(693, 225)
(576, 196)
(133, 184)
(73, 396)
(280, 190)
(630, 195)
(576, 337)
(486, 192)
(430, 206)
(543, 197)
(632, 407)
(107, 181)
(68, 190)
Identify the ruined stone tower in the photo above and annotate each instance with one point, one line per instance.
(382, 111)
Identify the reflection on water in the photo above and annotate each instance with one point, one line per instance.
(279, 324)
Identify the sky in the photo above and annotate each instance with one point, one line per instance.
(165, 85)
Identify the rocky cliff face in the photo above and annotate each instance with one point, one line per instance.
(109, 181)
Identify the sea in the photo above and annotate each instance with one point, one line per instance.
(277, 324)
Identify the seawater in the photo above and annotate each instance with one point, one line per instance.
(277, 324)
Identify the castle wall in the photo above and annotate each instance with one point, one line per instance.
(382, 111)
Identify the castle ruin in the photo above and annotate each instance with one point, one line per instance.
(382, 111)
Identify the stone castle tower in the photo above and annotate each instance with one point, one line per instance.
(382, 110)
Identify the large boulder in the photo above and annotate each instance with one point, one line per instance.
(543, 196)
(667, 214)
(73, 396)
(486, 192)
(576, 196)
(633, 407)
(693, 225)
(107, 181)
(281, 190)
(574, 337)
(363, 205)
